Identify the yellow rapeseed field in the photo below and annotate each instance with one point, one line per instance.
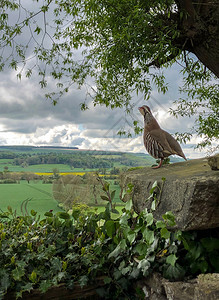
(61, 173)
(65, 173)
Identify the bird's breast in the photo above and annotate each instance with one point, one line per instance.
(153, 147)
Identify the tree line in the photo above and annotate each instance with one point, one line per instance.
(74, 160)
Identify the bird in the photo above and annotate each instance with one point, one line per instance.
(158, 143)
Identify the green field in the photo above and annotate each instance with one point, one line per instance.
(40, 196)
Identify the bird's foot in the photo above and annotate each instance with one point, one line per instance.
(160, 164)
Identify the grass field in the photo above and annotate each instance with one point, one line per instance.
(41, 168)
(40, 196)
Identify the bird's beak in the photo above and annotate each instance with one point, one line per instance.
(141, 110)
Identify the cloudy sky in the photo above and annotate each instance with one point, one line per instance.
(27, 118)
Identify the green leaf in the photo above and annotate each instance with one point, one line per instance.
(169, 218)
(45, 285)
(160, 224)
(149, 219)
(141, 248)
(18, 273)
(115, 211)
(128, 205)
(144, 266)
(33, 277)
(171, 259)
(154, 186)
(33, 212)
(83, 280)
(135, 273)
(107, 280)
(63, 215)
(104, 198)
(48, 214)
(148, 235)
(121, 246)
(27, 287)
(110, 228)
(153, 205)
(112, 195)
(106, 187)
(174, 272)
(165, 233)
(131, 236)
(210, 243)
(5, 281)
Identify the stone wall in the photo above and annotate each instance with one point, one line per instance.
(204, 287)
(190, 191)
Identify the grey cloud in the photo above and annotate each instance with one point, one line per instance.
(77, 142)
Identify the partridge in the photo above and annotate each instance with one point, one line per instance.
(158, 143)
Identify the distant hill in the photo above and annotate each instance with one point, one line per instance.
(26, 156)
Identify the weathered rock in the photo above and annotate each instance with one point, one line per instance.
(213, 162)
(205, 287)
(190, 191)
(208, 287)
(180, 290)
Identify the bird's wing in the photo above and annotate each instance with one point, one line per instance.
(160, 137)
(174, 145)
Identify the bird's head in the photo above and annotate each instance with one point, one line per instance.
(144, 110)
(147, 114)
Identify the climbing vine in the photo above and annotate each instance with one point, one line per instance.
(38, 253)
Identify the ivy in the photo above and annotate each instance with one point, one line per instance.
(82, 245)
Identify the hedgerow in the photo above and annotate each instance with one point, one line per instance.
(38, 253)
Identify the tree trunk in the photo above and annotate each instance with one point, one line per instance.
(200, 30)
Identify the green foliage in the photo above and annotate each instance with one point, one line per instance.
(78, 247)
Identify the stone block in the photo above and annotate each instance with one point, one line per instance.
(190, 191)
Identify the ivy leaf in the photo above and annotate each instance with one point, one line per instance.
(169, 218)
(149, 219)
(27, 287)
(83, 280)
(45, 285)
(174, 272)
(5, 281)
(160, 224)
(148, 235)
(153, 205)
(210, 243)
(121, 246)
(165, 233)
(141, 248)
(135, 273)
(144, 265)
(131, 236)
(18, 273)
(171, 259)
(107, 280)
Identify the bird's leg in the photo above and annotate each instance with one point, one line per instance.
(160, 164)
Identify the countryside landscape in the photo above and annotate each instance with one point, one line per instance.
(121, 75)
(56, 178)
